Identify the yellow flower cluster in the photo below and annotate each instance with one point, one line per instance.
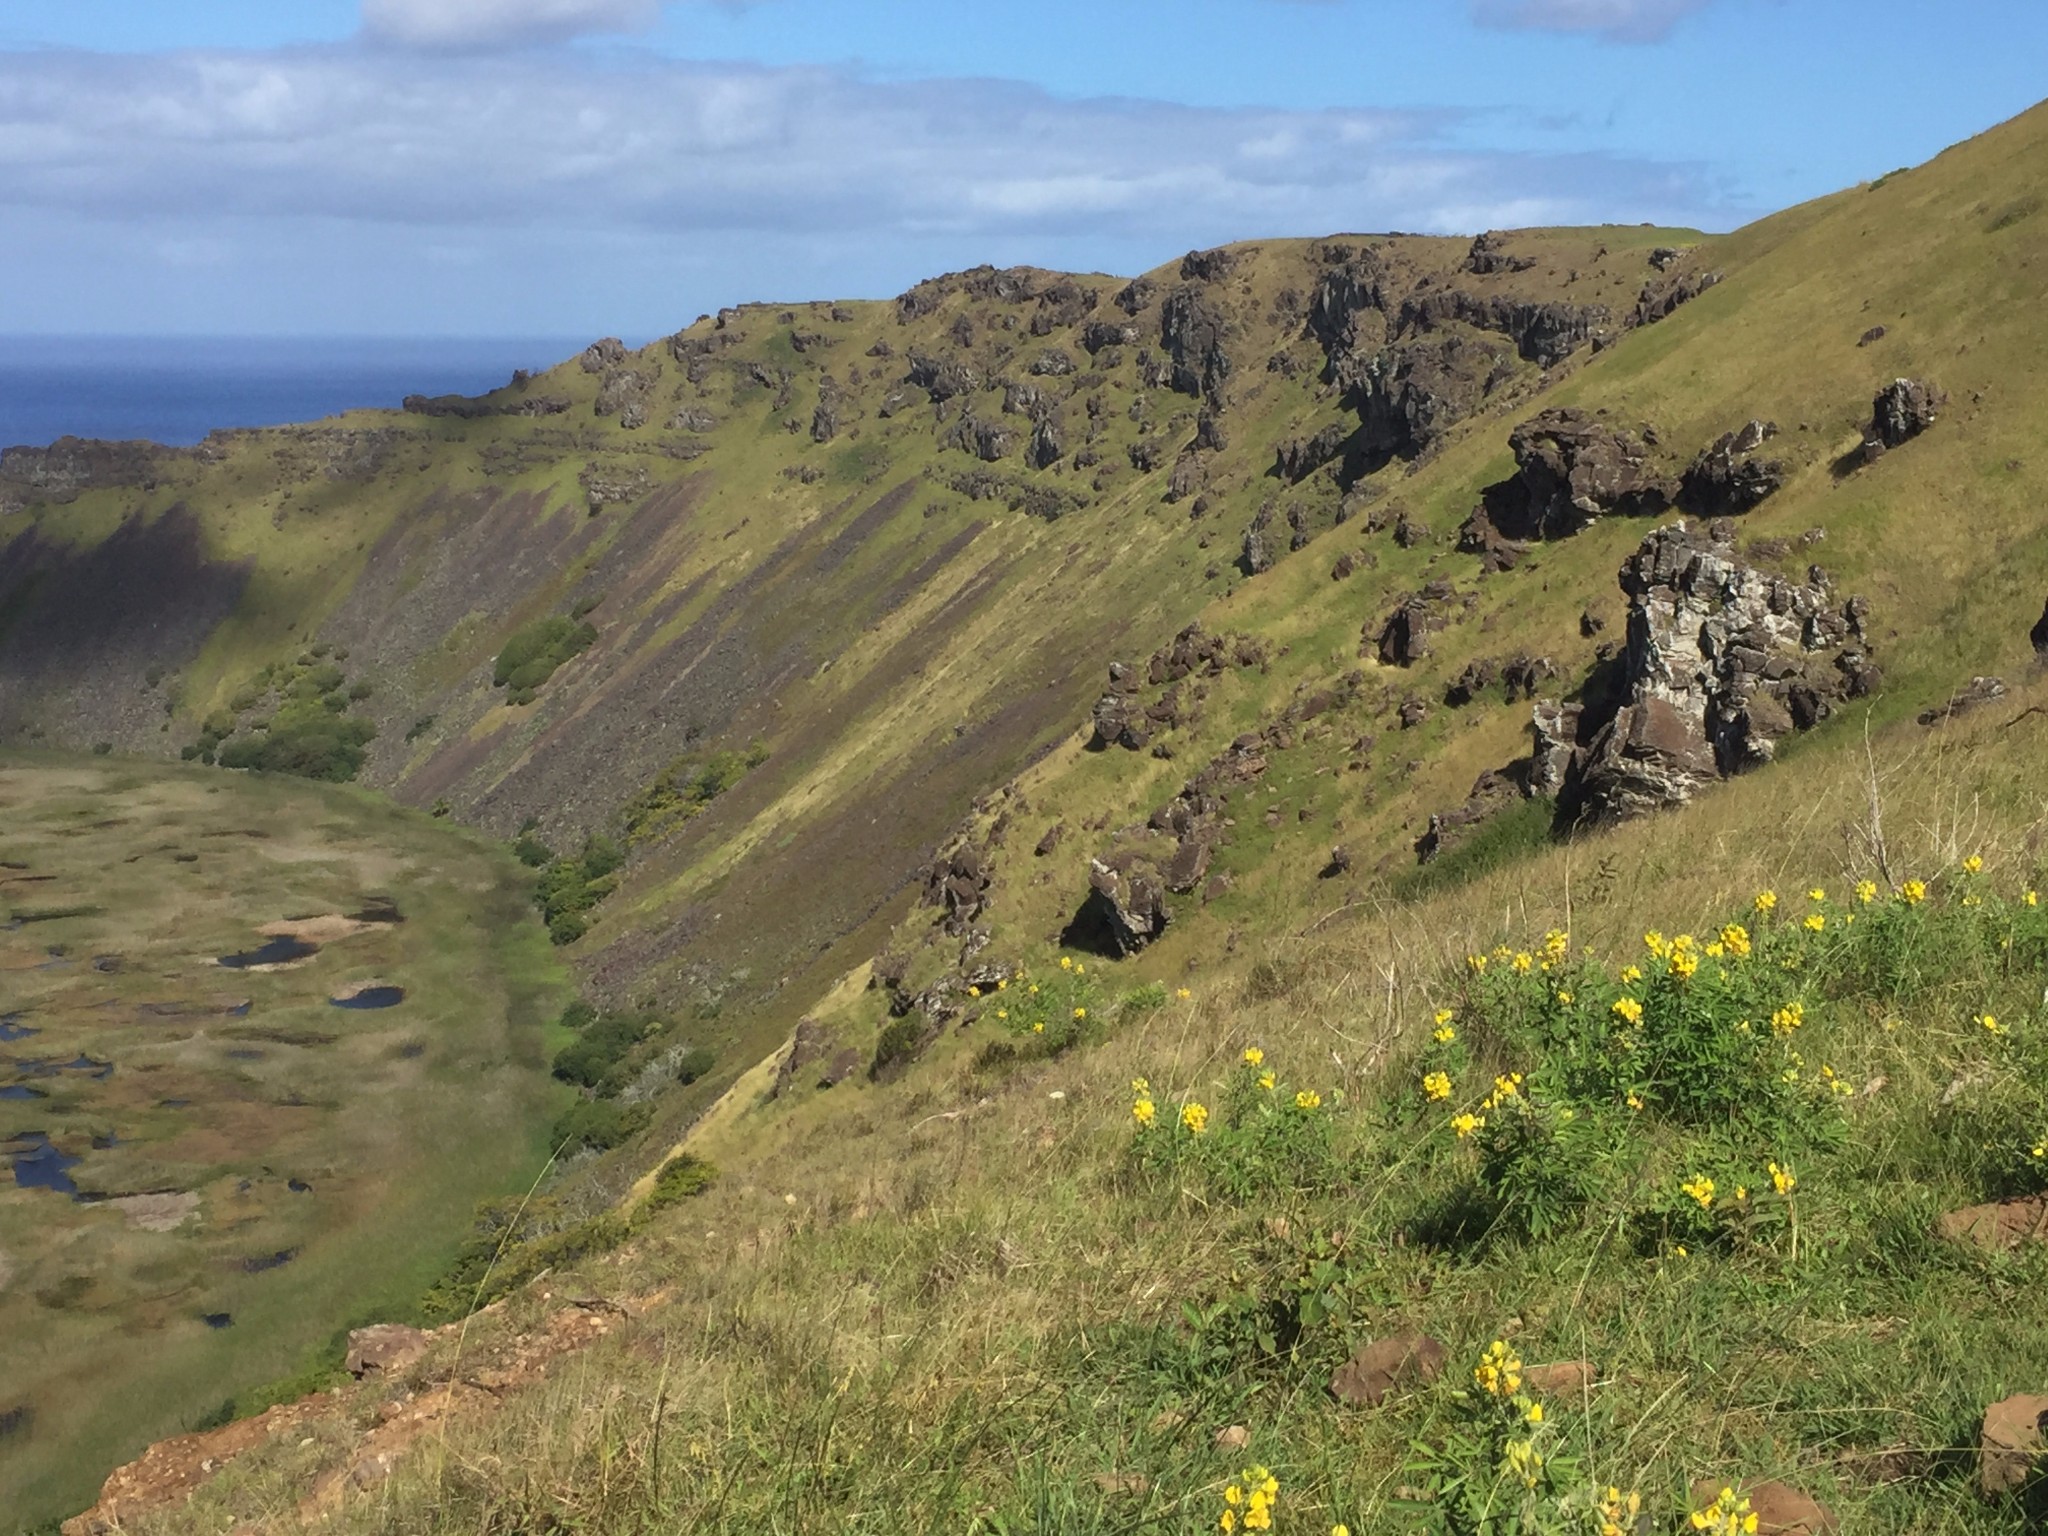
(1194, 1117)
(1913, 892)
(1726, 1516)
(1701, 1188)
(1991, 1024)
(1253, 1493)
(1504, 1089)
(1267, 1080)
(1143, 1110)
(1619, 1512)
(1556, 943)
(1253, 1056)
(1444, 1034)
(1476, 964)
(1973, 865)
(1766, 902)
(1522, 961)
(1499, 1372)
(1521, 1459)
(1436, 1086)
(1788, 1018)
(1815, 922)
(1628, 1010)
(1308, 1099)
(1735, 939)
(1782, 1180)
(1866, 891)
(1466, 1124)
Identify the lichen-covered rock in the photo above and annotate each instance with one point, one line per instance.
(1722, 660)
(1192, 331)
(1127, 898)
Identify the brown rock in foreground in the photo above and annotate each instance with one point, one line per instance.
(2004, 1224)
(1779, 1510)
(384, 1348)
(2010, 1443)
(1400, 1359)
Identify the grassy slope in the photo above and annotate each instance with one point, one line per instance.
(398, 1122)
(952, 1302)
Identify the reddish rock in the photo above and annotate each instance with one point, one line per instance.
(386, 1349)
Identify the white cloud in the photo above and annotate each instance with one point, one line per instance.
(465, 24)
(648, 188)
(1621, 21)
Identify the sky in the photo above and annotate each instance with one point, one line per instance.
(589, 167)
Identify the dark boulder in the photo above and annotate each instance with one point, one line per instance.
(1126, 901)
(1570, 468)
(1902, 410)
(1192, 332)
(1729, 477)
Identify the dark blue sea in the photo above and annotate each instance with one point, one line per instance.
(175, 390)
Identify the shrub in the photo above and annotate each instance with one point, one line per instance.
(605, 1042)
(898, 1044)
(535, 650)
(600, 1124)
(683, 789)
(695, 1062)
(682, 1177)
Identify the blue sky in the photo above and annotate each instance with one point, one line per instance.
(572, 167)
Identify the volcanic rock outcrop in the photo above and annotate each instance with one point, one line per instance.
(1722, 661)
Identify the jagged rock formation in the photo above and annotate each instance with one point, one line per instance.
(1722, 660)
(1901, 411)
(1127, 900)
(1729, 477)
(1402, 638)
(1662, 295)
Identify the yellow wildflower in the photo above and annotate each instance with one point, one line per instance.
(1141, 1085)
(1476, 964)
(1080, 969)
(974, 991)
(1308, 1098)
(1556, 943)
(1523, 1461)
(1716, 950)
(1267, 1080)
(1535, 1413)
(1788, 1018)
(1991, 1024)
(1631, 974)
(1080, 1013)
(1701, 1188)
(1523, 960)
(2033, 898)
(1913, 892)
(1340, 1530)
(1194, 1117)
(1741, 1193)
(1183, 994)
(1066, 962)
(1635, 1101)
(1002, 1013)
(1653, 941)
(1816, 894)
(1782, 1180)
(1253, 1056)
(1038, 1028)
(1436, 1086)
(1143, 1111)
(1866, 891)
(1766, 902)
(1815, 922)
(1565, 998)
(1973, 865)
(1726, 1516)
(1466, 1124)
(1443, 1034)
(1683, 963)
(1499, 1371)
(1443, 1016)
(1629, 1009)
(1619, 1512)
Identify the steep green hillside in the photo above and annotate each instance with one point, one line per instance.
(1247, 645)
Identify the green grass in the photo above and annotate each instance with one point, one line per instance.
(397, 1122)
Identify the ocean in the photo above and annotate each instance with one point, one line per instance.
(176, 389)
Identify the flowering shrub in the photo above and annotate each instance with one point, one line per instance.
(1264, 1136)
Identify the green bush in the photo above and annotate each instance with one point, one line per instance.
(898, 1044)
(569, 888)
(695, 1062)
(535, 650)
(680, 1178)
(604, 1043)
(600, 1124)
(683, 789)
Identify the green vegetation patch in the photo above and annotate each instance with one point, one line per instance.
(536, 650)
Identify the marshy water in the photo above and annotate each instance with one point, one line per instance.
(370, 997)
(282, 950)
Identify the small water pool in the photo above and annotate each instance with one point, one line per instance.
(281, 950)
(20, 1091)
(370, 997)
(12, 1029)
(39, 1164)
